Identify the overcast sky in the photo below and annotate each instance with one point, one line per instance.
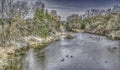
(67, 7)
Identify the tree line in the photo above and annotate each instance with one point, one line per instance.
(98, 21)
(18, 19)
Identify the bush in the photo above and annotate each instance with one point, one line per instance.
(83, 26)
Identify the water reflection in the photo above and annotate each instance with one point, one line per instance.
(63, 41)
(32, 60)
(84, 52)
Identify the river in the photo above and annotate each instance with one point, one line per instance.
(83, 52)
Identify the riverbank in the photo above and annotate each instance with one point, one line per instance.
(97, 51)
(114, 35)
(8, 53)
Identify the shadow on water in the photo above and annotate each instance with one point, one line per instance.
(32, 60)
(84, 52)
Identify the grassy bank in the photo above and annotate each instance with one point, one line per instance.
(9, 53)
(106, 25)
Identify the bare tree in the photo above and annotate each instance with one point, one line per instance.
(10, 11)
(2, 21)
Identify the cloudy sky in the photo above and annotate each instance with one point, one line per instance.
(67, 7)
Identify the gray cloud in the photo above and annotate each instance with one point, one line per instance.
(67, 7)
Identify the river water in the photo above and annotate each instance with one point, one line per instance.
(83, 52)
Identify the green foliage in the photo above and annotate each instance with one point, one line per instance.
(73, 22)
(99, 24)
(82, 26)
(43, 23)
(44, 31)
